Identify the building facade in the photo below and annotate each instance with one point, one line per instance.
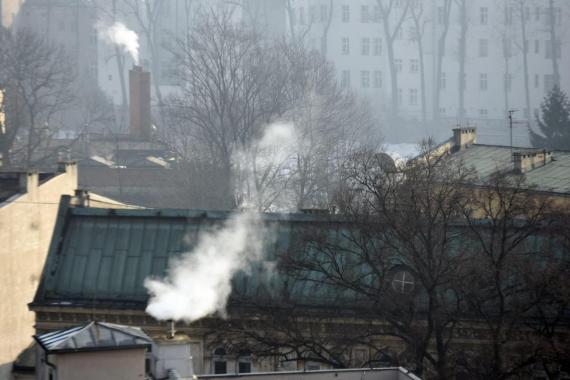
(433, 42)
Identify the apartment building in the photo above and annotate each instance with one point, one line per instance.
(357, 35)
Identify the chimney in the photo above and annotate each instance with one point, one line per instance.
(464, 137)
(525, 161)
(29, 182)
(139, 103)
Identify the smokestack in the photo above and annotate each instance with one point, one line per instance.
(139, 107)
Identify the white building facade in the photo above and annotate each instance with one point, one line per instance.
(356, 36)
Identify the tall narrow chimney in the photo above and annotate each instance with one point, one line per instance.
(139, 95)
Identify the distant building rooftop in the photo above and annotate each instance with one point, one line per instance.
(11, 183)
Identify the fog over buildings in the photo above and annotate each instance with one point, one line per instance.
(454, 62)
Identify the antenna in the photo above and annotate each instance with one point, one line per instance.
(511, 112)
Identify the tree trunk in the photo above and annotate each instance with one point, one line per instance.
(554, 48)
(525, 60)
(439, 61)
(462, 59)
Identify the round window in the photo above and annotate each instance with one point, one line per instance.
(403, 282)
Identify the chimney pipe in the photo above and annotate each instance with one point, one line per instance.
(139, 103)
(171, 329)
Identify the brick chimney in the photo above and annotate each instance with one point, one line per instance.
(463, 137)
(139, 107)
(525, 161)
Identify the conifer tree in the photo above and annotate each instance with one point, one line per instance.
(553, 122)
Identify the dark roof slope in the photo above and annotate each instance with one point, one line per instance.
(102, 257)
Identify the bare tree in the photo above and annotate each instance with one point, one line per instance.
(509, 225)
(394, 254)
(441, 47)
(462, 56)
(417, 14)
(38, 81)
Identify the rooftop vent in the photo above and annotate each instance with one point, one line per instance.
(526, 160)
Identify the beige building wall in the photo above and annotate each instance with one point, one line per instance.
(97, 365)
(26, 225)
(9, 9)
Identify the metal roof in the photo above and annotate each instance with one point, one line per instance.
(490, 159)
(93, 336)
(101, 256)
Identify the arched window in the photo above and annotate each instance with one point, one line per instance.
(244, 362)
(220, 361)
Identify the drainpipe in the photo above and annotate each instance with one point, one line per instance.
(50, 365)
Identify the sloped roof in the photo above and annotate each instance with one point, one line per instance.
(93, 336)
(490, 159)
(101, 257)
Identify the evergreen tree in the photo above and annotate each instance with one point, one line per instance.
(554, 122)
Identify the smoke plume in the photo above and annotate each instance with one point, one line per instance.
(199, 283)
(123, 37)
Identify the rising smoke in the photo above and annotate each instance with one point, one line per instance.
(118, 34)
(198, 283)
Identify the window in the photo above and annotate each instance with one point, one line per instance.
(302, 15)
(483, 47)
(364, 16)
(558, 16)
(508, 15)
(400, 96)
(537, 14)
(484, 15)
(414, 65)
(483, 113)
(536, 80)
(483, 82)
(413, 96)
(536, 47)
(398, 64)
(378, 79)
(377, 46)
(508, 81)
(527, 14)
(345, 78)
(220, 361)
(244, 362)
(365, 78)
(443, 81)
(345, 46)
(403, 282)
(400, 33)
(548, 49)
(442, 111)
(345, 13)
(324, 13)
(93, 37)
(464, 81)
(548, 82)
(365, 49)
(377, 14)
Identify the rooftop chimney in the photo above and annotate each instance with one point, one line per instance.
(525, 161)
(463, 137)
(139, 107)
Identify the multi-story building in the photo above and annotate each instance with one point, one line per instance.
(66, 23)
(356, 36)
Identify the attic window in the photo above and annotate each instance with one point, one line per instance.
(244, 362)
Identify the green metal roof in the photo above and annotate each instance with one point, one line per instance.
(102, 256)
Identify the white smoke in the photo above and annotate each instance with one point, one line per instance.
(119, 34)
(199, 283)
